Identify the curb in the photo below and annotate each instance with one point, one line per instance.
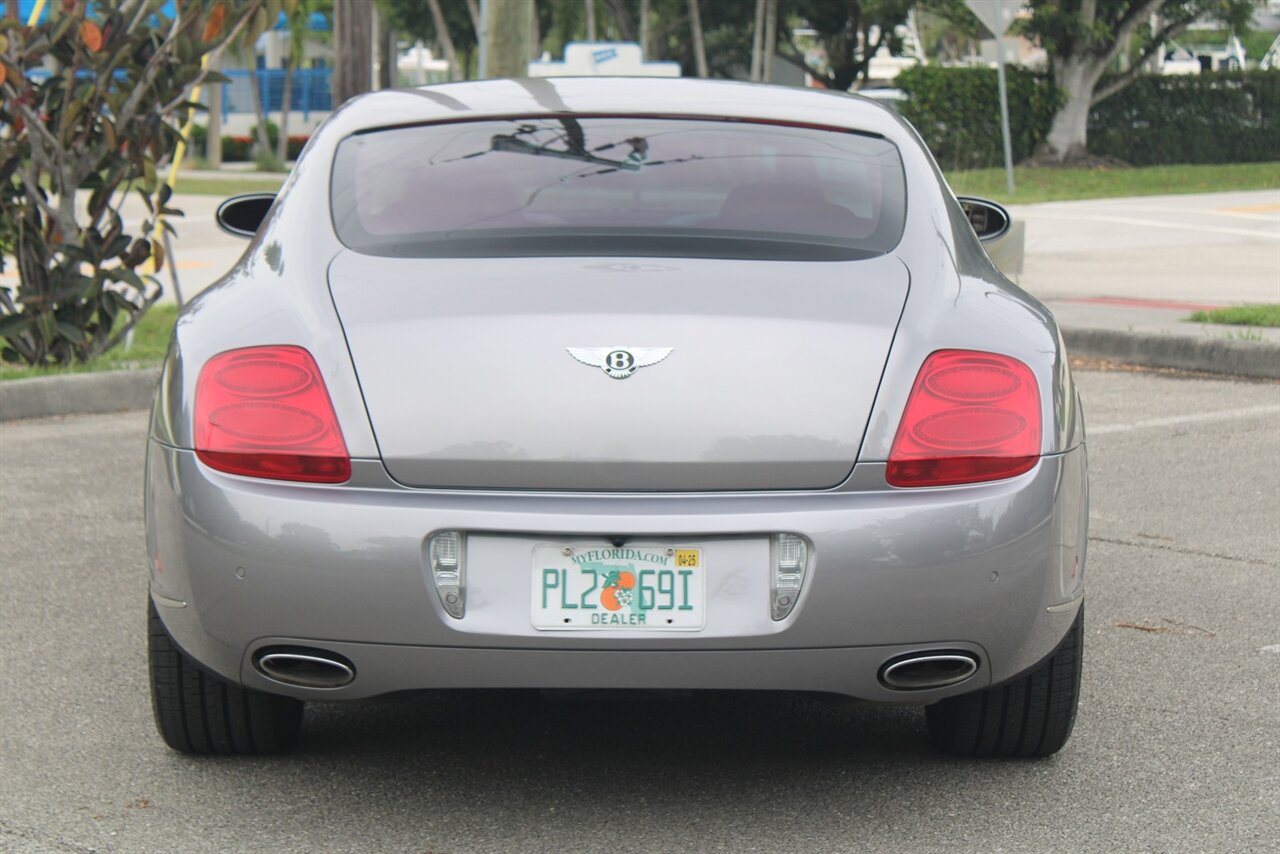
(78, 394)
(116, 391)
(1258, 359)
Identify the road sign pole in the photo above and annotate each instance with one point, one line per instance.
(1004, 102)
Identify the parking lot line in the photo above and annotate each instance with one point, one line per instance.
(1255, 213)
(1153, 223)
(1192, 418)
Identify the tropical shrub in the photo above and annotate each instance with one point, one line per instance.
(90, 103)
(1213, 117)
(1219, 117)
(957, 111)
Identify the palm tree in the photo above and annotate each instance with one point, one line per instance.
(255, 84)
(298, 20)
(757, 42)
(699, 48)
(446, 41)
(245, 49)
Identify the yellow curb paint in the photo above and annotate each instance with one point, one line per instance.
(1252, 209)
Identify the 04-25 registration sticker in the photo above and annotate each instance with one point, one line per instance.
(630, 587)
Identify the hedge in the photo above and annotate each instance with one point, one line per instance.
(957, 111)
(1222, 117)
(240, 148)
(1218, 117)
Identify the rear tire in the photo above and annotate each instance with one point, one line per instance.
(199, 713)
(1031, 716)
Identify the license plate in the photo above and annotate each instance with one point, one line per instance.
(618, 588)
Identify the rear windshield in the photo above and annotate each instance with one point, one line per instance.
(618, 186)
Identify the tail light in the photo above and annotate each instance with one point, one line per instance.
(265, 412)
(971, 417)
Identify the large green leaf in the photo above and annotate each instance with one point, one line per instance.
(15, 324)
(72, 332)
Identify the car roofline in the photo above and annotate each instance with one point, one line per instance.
(624, 96)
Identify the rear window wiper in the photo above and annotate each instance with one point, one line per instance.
(515, 145)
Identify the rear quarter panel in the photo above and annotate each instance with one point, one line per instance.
(960, 300)
(277, 293)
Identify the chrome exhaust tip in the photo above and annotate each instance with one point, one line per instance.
(922, 670)
(305, 668)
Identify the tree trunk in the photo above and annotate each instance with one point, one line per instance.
(757, 42)
(11, 9)
(770, 39)
(260, 130)
(591, 20)
(645, 47)
(535, 37)
(699, 48)
(474, 11)
(352, 49)
(388, 74)
(446, 41)
(508, 36)
(843, 75)
(286, 104)
(1068, 135)
(213, 137)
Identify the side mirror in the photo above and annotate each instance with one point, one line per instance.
(241, 215)
(989, 220)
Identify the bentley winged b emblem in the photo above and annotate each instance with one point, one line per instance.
(619, 362)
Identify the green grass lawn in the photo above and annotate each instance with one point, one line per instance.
(150, 343)
(1241, 315)
(1055, 185)
(226, 186)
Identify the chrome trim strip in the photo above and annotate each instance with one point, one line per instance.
(166, 601)
(1066, 606)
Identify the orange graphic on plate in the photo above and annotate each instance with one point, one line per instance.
(617, 589)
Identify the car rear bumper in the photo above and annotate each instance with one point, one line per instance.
(239, 565)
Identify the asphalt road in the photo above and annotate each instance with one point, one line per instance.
(1176, 748)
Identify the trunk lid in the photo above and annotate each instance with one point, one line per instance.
(469, 383)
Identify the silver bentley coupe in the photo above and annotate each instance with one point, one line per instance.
(616, 384)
